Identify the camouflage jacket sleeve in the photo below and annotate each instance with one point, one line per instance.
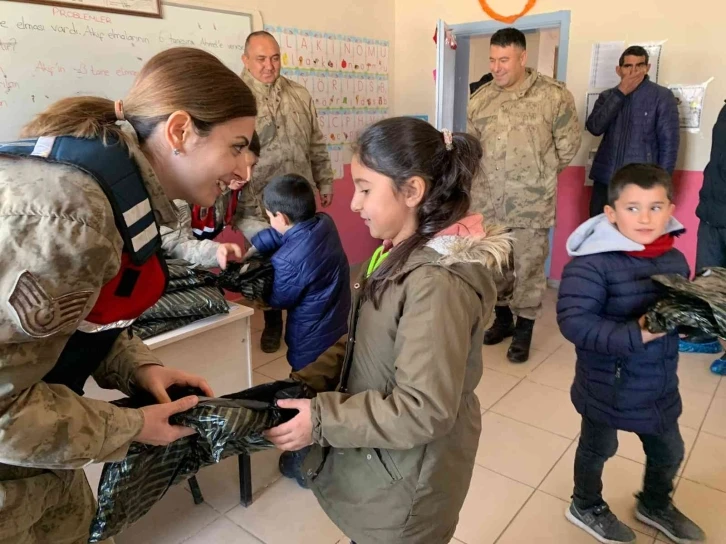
(566, 130)
(48, 284)
(180, 243)
(248, 224)
(117, 370)
(319, 157)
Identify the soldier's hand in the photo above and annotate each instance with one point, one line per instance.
(157, 430)
(156, 379)
(326, 200)
(296, 433)
(228, 252)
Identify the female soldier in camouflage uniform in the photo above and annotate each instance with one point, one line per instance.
(193, 239)
(80, 208)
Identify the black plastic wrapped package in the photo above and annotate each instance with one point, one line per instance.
(183, 275)
(155, 327)
(226, 426)
(252, 279)
(698, 305)
(197, 302)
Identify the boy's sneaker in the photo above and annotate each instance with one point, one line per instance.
(719, 366)
(671, 522)
(600, 523)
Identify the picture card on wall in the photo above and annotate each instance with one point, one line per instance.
(337, 157)
(288, 48)
(381, 93)
(348, 122)
(335, 128)
(320, 90)
(371, 53)
(348, 81)
(304, 58)
(318, 45)
(382, 57)
(335, 88)
(359, 57)
(305, 78)
(347, 53)
(371, 94)
(360, 92)
(332, 52)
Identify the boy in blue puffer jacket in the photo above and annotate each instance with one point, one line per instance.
(312, 276)
(626, 376)
(312, 279)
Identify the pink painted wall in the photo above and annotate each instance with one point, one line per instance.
(357, 242)
(573, 201)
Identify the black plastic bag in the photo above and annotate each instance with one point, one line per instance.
(194, 302)
(698, 305)
(155, 327)
(226, 426)
(252, 279)
(190, 295)
(183, 275)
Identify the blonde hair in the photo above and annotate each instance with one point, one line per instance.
(181, 78)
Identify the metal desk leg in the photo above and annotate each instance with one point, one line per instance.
(196, 490)
(245, 479)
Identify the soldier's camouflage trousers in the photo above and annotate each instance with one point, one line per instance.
(523, 284)
(49, 507)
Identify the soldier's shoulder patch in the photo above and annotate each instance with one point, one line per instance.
(40, 315)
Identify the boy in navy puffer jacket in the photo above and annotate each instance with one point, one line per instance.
(312, 279)
(626, 376)
(312, 276)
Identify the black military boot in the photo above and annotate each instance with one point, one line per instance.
(272, 335)
(519, 350)
(502, 328)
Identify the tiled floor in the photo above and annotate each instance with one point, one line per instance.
(523, 478)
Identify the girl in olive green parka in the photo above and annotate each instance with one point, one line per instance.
(396, 422)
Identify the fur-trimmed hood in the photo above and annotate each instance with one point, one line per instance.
(474, 257)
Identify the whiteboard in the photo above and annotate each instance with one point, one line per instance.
(47, 53)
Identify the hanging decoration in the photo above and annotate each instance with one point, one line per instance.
(450, 39)
(509, 19)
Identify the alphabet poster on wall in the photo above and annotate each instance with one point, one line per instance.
(347, 77)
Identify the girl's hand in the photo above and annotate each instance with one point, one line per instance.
(296, 433)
